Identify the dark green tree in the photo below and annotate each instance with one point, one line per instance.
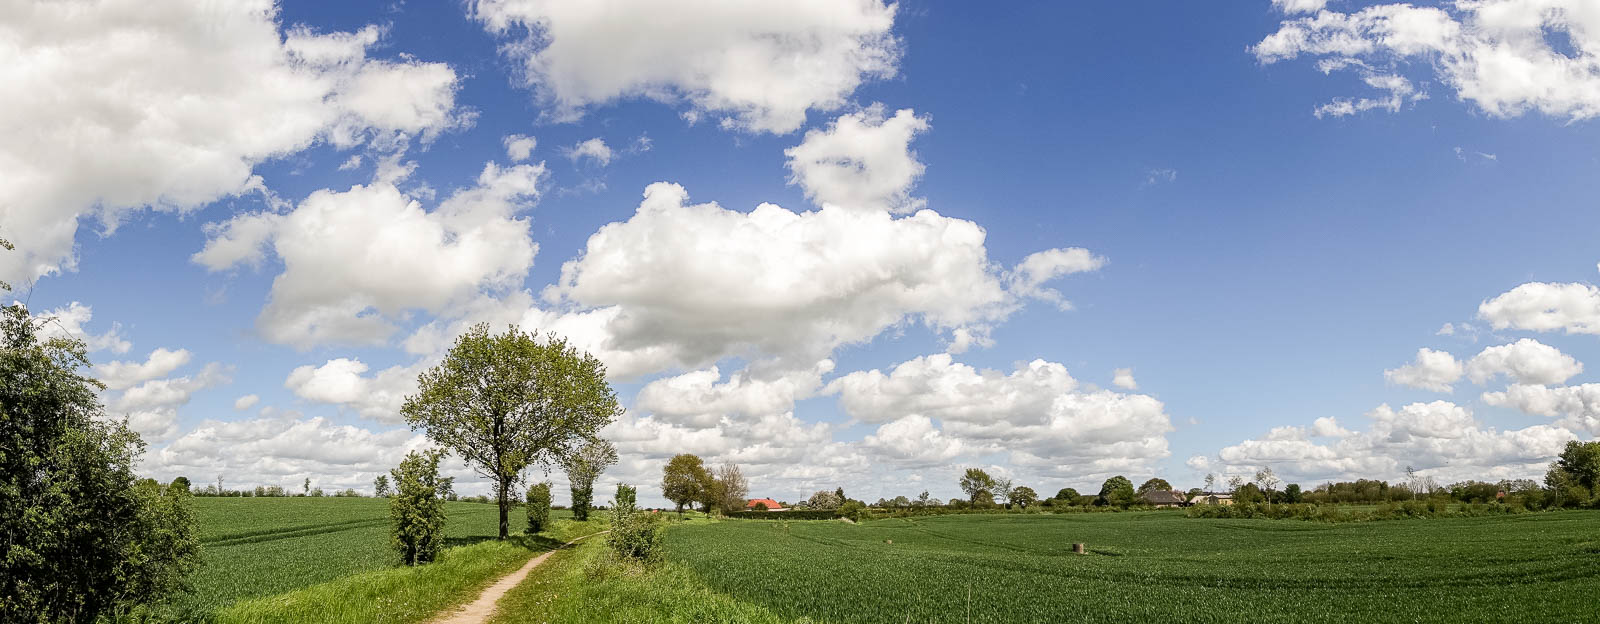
(1023, 496)
(180, 483)
(1292, 493)
(504, 402)
(1068, 496)
(1117, 492)
(416, 512)
(1153, 485)
(81, 538)
(380, 486)
(538, 507)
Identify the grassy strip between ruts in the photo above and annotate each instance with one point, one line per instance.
(408, 594)
(574, 586)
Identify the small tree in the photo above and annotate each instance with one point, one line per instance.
(1023, 496)
(305, 490)
(634, 536)
(380, 486)
(583, 467)
(538, 507)
(416, 512)
(760, 506)
(1117, 492)
(731, 488)
(975, 481)
(180, 483)
(1267, 482)
(1068, 495)
(1002, 490)
(508, 401)
(683, 479)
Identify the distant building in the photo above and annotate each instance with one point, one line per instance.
(772, 505)
(1164, 498)
(1212, 498)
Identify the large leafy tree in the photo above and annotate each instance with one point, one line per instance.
(1157, 484)
(1069, 495)
(683, 480)
(583, 467)
(1023, 496)
(504, 402)
(81, 537)
(1117, 492)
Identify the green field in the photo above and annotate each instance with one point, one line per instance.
(1142, 566)
(256, 547)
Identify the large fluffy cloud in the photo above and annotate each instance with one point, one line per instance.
(861, 161)
(1036, 412)
(1544, 306)
(759, 65)
(1578, 405)
(694, 283)
(1526, 361)
(116, 105)
(1439, 439)
(1505, 56)
(356, 259)
(343, 382)
(702, 398)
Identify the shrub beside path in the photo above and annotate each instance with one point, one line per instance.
(478, 611)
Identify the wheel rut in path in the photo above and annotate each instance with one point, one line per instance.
(479, 610)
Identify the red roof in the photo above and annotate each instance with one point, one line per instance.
(772, 505)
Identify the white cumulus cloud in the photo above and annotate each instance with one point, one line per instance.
(758, 65)
(1432, 370)
(862, 161)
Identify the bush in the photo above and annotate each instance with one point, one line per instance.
(853, 510)
(635, 535)
(538, 507)
(416, 511)
(83, 538)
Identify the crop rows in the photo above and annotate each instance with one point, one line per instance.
(1154, 566)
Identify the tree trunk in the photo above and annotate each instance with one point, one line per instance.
(505, 525)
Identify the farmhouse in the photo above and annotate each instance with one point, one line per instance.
(1164, 498)
(1213, 498)
(771, 505)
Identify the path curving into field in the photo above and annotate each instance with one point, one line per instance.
(479, 610)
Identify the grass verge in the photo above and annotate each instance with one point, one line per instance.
(579, 586)
(406, 594)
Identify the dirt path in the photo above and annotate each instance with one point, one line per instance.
(479, 610)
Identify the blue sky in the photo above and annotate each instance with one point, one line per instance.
(1260, 258)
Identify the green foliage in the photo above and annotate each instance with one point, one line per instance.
(583, 467)
(82, 537)
(416, 512)
(1141, 567)
(504, 402)
(1117, 492)
(180, 483)
(683, 479)
(1291, 493)
(538, 507)
(380, 486)
(759, 507)
(1154, 485)
(853, 510)
(1575, 475)
(974, 481)
(1023, 496)
(635, 535)
(1067, 495)
(1249, 493)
